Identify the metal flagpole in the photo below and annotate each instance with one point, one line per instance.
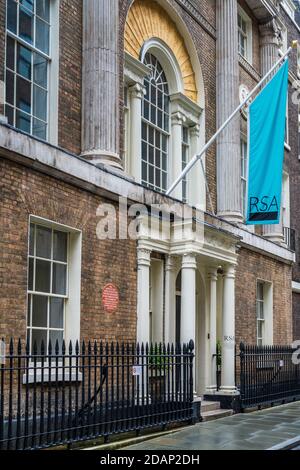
(215, 136)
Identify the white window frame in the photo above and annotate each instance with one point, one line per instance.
(52, 70)
(186, 144)
(244, 175)
(248, 34)
(48, 295)
(73, 300)
(267, 302)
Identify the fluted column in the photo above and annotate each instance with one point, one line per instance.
(100, 105)
(228, 144)
(143, 283)
(269, 45)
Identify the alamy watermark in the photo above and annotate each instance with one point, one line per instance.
(166, 222)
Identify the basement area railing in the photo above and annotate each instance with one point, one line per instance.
(61, 395)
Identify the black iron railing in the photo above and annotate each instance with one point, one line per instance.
(268, 374)
(289, 236)
(61, 396)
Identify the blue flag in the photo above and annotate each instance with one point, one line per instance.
(266, 136)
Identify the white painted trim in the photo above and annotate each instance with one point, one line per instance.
(53, 73)
(72, 312)
(296, 287)
(247, 19)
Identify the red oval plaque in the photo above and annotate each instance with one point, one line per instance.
(110, 298)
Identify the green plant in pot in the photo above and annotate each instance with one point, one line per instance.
(158, 365)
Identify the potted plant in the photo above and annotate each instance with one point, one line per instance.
(157, 368)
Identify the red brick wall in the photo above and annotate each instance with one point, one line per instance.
(70, 69)
(253, 266)
(24, 192)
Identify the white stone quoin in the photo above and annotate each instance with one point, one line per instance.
(100, 94)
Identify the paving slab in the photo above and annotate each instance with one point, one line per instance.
(250, 431)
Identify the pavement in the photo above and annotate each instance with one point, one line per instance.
(276, 428)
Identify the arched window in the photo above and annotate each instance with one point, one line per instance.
(155, 126)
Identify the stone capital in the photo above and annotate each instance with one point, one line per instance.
(143, 257)
(189, 261)
(171, 264)
(178, 119)
(195, 131)
(212, 273)
(270, 33)
(229, 272)
(137, 91)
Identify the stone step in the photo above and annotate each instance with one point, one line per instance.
(215, 414)
(209, 405)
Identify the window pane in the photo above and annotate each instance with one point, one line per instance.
(9, 113)
(151, 154)
(26, 25)
(260, 291)
(23, 121)
(60, 240)
(39, 129)
(56, 313)
(10, 53)
(56, 336)
(37, 337)
(39, 311)
(27, 4)
(30, 274)
(10, 87)
(42, 276)
(39, 103)
(40, 70)
(42, 36)
(23, 95)
(42, 9)
(24, 61)
(43, 242)
(59, 279)
(12, 16)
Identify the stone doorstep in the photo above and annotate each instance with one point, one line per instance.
(215, 414)
(209, 406)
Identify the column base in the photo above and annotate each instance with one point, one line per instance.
(101, 157)
(228, 390)
(234, 217)
(211, 390)
(274, 237)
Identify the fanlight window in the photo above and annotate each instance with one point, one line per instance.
(155, 127)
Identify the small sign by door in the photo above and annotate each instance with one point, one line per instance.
(136, 371)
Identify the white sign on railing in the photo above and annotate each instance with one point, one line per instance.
(2, 352)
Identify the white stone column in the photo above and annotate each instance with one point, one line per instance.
(269, 46)
(228, 339)
(177, 119)
(170, 299)
(136, 94)
(213, 278)
(143, 279)
(100, 81)
(228, 144)
(188, 297)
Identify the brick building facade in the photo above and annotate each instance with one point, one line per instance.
(91, 156)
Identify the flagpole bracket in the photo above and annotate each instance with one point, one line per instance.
(294, 44)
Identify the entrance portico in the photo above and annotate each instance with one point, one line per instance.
(189, 289)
